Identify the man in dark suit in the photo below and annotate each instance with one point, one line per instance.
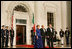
(32, 35)
(67, 32)
(50, 33)
(11, 36)
(7, 36)
(2, 34)
(43, 35)
(61, 36)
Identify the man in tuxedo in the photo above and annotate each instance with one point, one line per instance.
(43, 35)
(50, 33)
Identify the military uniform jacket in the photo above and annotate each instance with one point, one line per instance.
(67, 33)
(7, 32)
(2, 33)
(12, 33)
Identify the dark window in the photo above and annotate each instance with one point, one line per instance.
(50, 19)
(22, 21)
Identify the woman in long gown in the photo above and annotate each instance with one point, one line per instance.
(38, 43)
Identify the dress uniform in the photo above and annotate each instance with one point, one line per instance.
(67, 32)
(61, 36)
(2, 34)
(7, 36)
(11, 36)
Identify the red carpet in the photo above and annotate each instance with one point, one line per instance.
(28, 46)
(32, 46)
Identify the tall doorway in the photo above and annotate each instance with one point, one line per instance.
(20, 34)
(21, 25)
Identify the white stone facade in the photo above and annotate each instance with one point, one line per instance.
(40, 9)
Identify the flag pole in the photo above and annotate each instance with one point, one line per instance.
(12, 19)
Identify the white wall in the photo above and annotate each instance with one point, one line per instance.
(40, 9)
(41, 13)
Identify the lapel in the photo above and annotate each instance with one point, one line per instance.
(50, 29)
(43, 29)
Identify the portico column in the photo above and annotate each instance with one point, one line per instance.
(37, 12)
(64, 15)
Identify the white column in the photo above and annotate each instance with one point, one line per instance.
(9, 22)
(64, 15)
(14, 27)
(28, 33)
(37, 12)
(40, 14)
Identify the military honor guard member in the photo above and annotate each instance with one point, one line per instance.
(7, 36)
(11, 36)
(2, 34)
(61, 36)
(67, 33)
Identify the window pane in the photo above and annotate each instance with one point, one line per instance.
(22, 21)
(50, 18)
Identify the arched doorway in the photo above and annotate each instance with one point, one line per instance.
(21, 23)
(28, 14)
